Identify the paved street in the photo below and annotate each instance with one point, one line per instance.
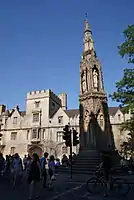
(63, 188)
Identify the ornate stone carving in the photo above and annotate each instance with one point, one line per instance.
(92, 98)
(97, 106)
(86, 119)
(95, 78)
(84, 82)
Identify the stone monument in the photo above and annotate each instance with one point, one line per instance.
(95, 132)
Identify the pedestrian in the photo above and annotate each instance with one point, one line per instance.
(106, 165)
(7, 168)
(43, 168)
(51, 171)
(34, 177)
(25, 162)
(17, 168)
(2, 164)
(28, 165)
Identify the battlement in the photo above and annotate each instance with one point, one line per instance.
(37, 94)
(42, 94)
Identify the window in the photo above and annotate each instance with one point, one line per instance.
(5, 121)
(27, 134)
(12, 150)
(60, 136)
(43, 135)
(15, 120)
(37, 104)
(35, 117)
(34, 133)
(13, 135)
(119, 117)
(101, 121)
(60, 119)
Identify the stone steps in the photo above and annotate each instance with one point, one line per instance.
(84, 163)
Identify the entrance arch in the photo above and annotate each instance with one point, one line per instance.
(35, 149)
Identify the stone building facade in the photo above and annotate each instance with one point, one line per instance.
(40, 127)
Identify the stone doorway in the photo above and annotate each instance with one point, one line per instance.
(35, 149)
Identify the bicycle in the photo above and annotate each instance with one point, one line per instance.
(117, 186)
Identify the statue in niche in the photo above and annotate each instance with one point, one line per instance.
(100, 120)
(95, 78)
(86, 119)
(84, 82)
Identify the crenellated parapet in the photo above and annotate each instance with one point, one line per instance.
(43, 94)
(37, 94)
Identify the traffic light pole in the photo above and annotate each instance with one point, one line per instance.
(71, 159)
(71, 154)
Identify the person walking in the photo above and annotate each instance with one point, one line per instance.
(43, 168)
(2, 164)
(106, 165)
(51, 171)
(17, 168)
(25, 162)
(34, 177)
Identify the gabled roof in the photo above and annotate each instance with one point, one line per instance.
(72, 112)
(112, 110)
(22, 113)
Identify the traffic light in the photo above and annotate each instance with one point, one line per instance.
(67, 136)
(75, 138)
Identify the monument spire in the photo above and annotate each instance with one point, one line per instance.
(93, 99)
(88, 40)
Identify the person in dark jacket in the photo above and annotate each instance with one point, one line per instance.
(43, 168)
(34, 176)
(2, 163)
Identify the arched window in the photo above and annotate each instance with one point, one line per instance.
(101, 121)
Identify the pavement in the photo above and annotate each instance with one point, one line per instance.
(63, 188)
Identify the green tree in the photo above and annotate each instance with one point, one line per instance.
(127, 48)
(125, 87)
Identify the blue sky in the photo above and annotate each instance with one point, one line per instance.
(41, 42)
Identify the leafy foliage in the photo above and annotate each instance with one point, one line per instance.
(127, 48)
(125, 89)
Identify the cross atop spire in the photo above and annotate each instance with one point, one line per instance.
(88, 40)
(86, 15)
(87, 27)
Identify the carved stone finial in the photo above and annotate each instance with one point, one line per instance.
(86, 15)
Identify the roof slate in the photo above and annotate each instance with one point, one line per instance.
(74, 112)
